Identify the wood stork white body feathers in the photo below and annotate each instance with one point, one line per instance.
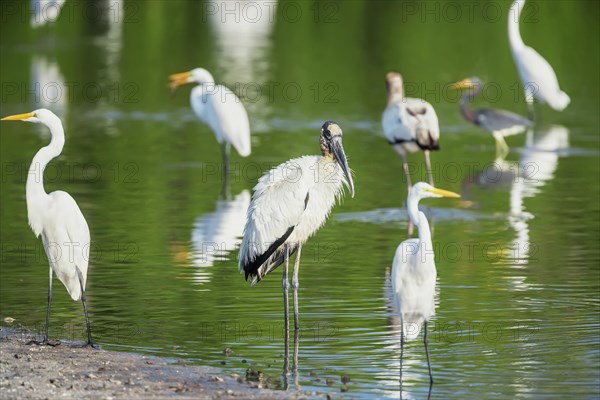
(56, 217)
(290, 203)
(414, 273)
(409, 124)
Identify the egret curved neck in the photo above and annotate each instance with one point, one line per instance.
(35, 178)
(419, 220)
(514, 36)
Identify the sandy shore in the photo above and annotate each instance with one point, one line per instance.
(69, 371)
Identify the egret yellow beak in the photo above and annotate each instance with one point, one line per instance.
(464, 84)
(18, 117)
(178, 79)
(444, 193)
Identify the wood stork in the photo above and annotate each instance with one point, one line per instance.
(220, 109)
(409, 124)
(290, 203)
(500, 123)
(414, 273)
(537, 76)
(57, 218)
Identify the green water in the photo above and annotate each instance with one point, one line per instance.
(518, 262)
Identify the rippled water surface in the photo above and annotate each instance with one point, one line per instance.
(517, 310)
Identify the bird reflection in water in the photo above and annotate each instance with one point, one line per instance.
(524, 179)
(216, 234)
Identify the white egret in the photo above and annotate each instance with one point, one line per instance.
(44, 11)
(290, 203)
(500, 123)
(56, 217)
(537, 76)
(409, 124)
(414, 273)
(220, 109)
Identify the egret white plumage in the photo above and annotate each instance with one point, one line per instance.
(290, 203)
(56, 217)
(500, 123)
(409, 124)
(537, 76)
(220, 109)
(413, 272)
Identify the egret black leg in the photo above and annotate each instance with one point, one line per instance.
(295, 284)
(286, 316)
(425, 341)
(401, 353)
(85, 311)
(430, 390)
(45, 340)
(530, 109)
(49, 306)
(225, 151)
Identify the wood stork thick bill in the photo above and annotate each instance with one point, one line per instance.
(414, 274)
(409, 124)
(290, 203)
(500, 123)
(537, 76)
(56, 217)
(219, 108)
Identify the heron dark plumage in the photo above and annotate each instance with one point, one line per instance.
(500, 123)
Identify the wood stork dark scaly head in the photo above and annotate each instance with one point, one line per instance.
(198, 75)
(394, 84)
(331, 146)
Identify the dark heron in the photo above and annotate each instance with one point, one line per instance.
(500, 123)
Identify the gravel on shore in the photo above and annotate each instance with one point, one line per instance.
(74, 372)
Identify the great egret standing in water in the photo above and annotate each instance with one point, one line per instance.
(500, 123)
(220, 109)
(537, 76)
(409, 124)
(57, 218)
(414, 273)
(290, 203)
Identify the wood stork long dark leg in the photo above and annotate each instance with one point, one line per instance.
(402, 153)
(85, 311)
(295, 359)
(286, 316)
(295, 285)
(428, 165)
(425, 341)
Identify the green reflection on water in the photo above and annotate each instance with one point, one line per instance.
(511, 321)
